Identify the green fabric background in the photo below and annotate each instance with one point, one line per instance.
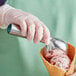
(19, 57)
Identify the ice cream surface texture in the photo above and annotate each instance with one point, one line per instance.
(58, 58)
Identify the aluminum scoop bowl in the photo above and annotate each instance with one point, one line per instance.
(56, 43)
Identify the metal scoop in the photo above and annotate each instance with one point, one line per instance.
(54, 42)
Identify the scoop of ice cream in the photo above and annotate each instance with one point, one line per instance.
(51, 53)
(58, 57)
(61, 61)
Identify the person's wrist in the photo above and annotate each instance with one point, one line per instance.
(4, 9)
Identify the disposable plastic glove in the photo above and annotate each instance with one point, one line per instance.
(30, 25)
(74, 74)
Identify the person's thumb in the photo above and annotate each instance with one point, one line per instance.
(74, 74)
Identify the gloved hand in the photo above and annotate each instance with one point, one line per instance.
(30, 25)
(74, 74)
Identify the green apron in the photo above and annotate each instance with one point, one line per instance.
(19, 57)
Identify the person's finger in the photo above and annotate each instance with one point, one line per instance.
(22, 24)
(23, 27)
(46, 34)
(31, 29)
(75, 68)
(74, 74)
(38, 32)
(19, 19)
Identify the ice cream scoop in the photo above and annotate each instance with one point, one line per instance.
(54, 42)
